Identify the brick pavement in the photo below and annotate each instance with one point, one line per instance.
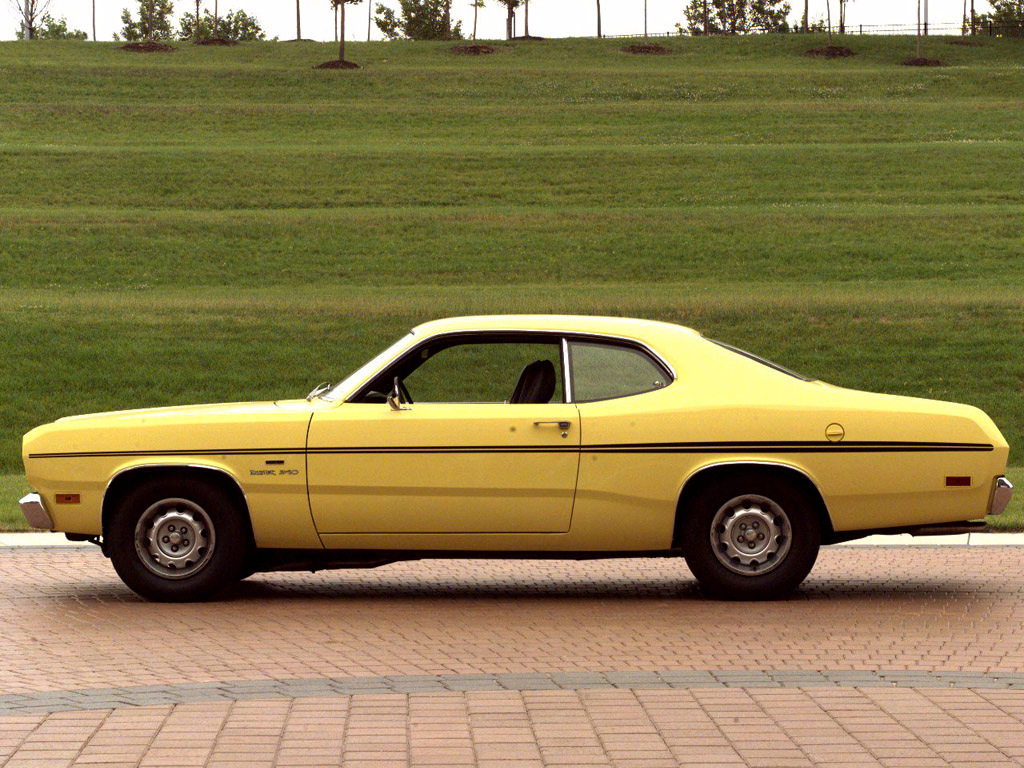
(895, 657)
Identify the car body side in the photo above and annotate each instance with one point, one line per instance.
(888, 469)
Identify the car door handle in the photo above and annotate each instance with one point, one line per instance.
(559, 424)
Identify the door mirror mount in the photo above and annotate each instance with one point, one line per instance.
(395, 397)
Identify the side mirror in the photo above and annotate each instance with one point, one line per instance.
(395, 397)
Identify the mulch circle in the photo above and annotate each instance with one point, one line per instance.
(148, 46)
(648, 49)
(832, 52)
(336, 64)
(217, 41)
(922, 62)
(472, 50)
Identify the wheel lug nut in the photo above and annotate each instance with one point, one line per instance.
(174, 548)
(185, 541)
(166, 539)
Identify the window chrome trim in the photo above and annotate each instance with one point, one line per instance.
(563, 334)
(566, 372)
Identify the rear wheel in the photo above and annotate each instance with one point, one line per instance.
(177, 540)
(750, 536)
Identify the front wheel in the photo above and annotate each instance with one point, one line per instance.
(750, 537)
(177, 540)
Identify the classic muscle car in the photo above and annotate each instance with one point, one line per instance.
(518, 436)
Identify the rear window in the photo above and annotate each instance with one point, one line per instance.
(761, 360)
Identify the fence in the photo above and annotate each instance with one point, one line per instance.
(987, 29)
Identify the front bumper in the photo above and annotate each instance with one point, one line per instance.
(35, 512)
(1002, 492)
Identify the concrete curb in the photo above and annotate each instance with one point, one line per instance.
(48, 540)
(404, 685)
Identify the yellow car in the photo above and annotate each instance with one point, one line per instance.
(518, 436)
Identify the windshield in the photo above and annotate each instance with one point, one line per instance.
(354, 379)
(761, 360)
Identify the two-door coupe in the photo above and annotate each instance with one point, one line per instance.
(518, 436)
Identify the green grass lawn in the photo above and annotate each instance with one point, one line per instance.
(227, 223)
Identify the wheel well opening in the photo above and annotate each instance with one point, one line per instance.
(699, 481)
(132, 478)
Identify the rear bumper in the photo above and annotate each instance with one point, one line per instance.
(1002, 492)
(35, 512)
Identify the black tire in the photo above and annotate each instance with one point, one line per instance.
(215, 514)
(769, 575)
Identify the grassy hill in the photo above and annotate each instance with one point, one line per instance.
(228, 224)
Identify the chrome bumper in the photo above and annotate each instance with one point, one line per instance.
(34, 511)
(1002, 492)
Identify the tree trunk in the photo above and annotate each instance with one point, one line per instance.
(94, 21)
(599, 19)
(645, 19)
(298, 21)
(369, 18)
(828, 13)
(807, 14)
(476, 9)
(197, 21)
(335, 23)
(448, 20)
(341, 36)
(526, 20)
(216, 17)
(706, 28)
(919, 29)
(510, 22)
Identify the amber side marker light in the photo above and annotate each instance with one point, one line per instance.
(957, 481)
(68, 498)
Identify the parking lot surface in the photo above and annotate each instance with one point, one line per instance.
(895, 656)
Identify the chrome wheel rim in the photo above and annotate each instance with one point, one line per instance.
(175, 538)
(750, 535)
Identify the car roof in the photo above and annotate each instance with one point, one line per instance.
(641, 330)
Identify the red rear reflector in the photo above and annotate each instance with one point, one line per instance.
(956, 480)
(69, 498)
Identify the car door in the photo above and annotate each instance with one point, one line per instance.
(464, 457)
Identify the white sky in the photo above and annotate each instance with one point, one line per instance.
(549, 18)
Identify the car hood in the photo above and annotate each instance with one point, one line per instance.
(179, 429)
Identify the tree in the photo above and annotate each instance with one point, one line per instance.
(599, 19)
(237, 26)
(154, 21)
(842, 16)
(50, 28)
(477, 5)
(417, 20)
(94, 21)
(732, 17)
(526, 18)
(298, 21)
(510, 17)
(31, 15)
(1005, 13)
(339, 5)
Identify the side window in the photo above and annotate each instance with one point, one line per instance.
(493, 372)
(601, 371)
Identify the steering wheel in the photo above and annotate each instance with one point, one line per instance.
(406, 397)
